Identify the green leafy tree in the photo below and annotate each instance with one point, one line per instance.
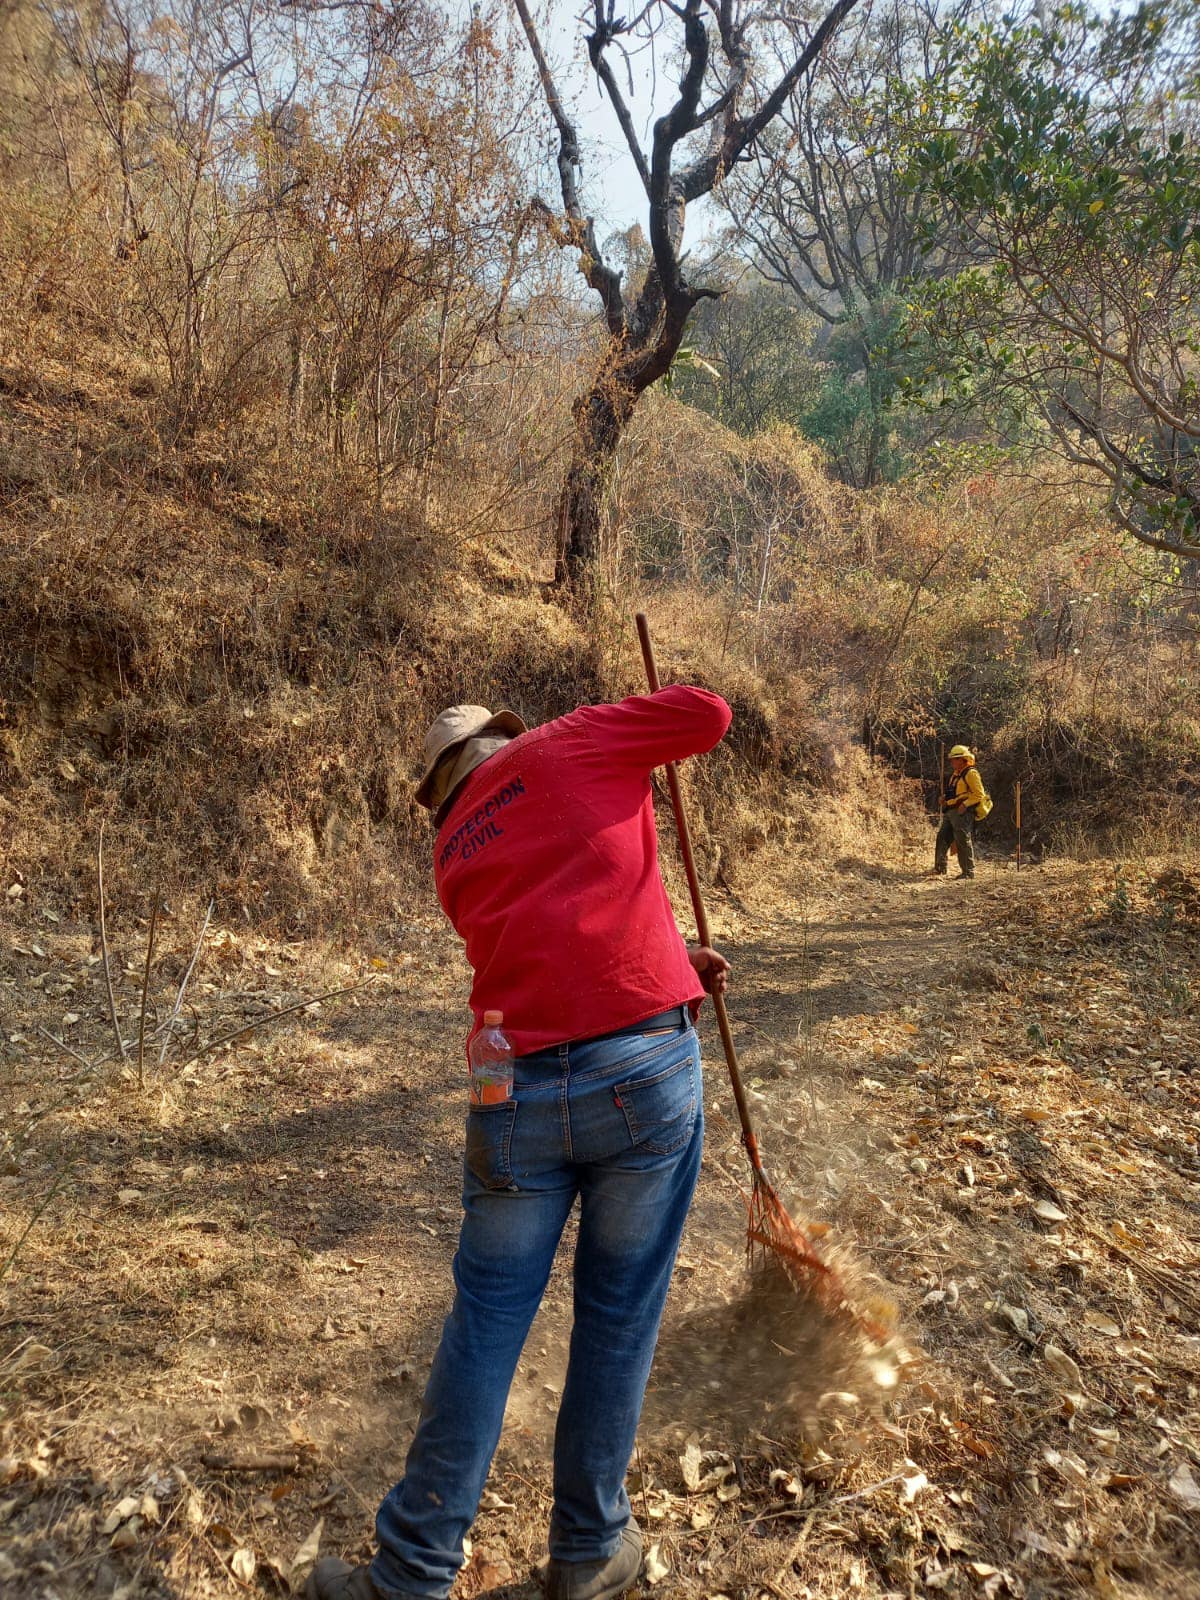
(824, 211)
(1067, 158)
(858, 414)
(757, 368)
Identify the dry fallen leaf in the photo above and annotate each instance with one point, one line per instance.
(126, 1536)
(1062, 1366)
(32, 1357)
(1184, 1487)
(912, 1485)
(1048, 1211)
(1018, 1320)
(1069, 1465)
(121, 1512)
(305, 1558)
(712, 1469)
(493, 1574)
(491, 1501)
(1101, 1324)
(242, 1564)
(656, 1567)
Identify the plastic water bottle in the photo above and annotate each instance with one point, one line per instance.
(491, 1061)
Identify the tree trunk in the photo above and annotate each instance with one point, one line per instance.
(295, 397)
(600, 419)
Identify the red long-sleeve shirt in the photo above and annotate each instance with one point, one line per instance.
(547, 866)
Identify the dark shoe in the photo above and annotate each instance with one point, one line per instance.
(597, 1580)
(332, 1579)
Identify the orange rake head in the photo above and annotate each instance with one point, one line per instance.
(773, 1230)
(771, 1227)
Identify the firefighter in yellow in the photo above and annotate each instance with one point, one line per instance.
(964, 803)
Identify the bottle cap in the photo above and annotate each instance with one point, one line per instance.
(493, 1019)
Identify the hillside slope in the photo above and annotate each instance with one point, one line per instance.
(231, 664)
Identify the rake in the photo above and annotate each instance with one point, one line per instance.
(770, 1230)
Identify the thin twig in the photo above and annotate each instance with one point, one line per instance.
(274, 1016)
(63, 1045)
(265, 1462)
(735, 1183)
(642, 1475)
(798, 1545)
(29, 1226)
(541, 1493)
(1161, 1277)
(861, 1494)
(146, 991)
(170, 1022)
(112, 999)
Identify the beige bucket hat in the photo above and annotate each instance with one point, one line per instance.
(453, 728)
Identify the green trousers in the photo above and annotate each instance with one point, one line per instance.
(957, 827)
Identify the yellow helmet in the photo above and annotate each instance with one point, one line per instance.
(959, 752)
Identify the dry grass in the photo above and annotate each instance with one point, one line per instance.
(230, 655)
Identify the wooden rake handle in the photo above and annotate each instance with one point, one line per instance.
(689, 866)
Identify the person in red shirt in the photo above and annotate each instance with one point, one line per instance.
(546, 863)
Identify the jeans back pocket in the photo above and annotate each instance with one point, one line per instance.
(660, 1110)
(489, 1144)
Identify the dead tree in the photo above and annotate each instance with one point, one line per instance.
(711, 126)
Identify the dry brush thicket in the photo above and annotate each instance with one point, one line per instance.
(286, 361)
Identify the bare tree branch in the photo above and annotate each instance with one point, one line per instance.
(607, 29)
(582, 230)
(646, 331)
(742, 132)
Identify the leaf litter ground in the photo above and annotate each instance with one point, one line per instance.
(214, 1335)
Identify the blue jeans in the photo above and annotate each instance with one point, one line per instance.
(618, 1122)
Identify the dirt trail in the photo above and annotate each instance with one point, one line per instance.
(983, 1095)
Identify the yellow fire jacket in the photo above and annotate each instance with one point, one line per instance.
(964, 791)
